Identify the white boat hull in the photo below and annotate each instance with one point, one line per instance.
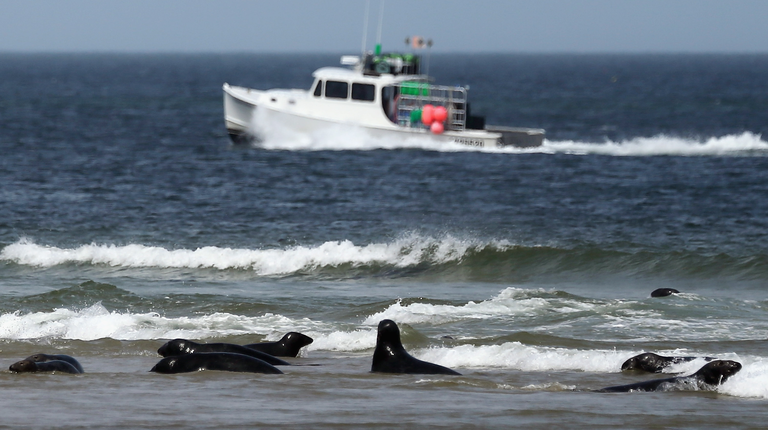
(241, 105)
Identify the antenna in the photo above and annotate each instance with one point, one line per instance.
(429, 51)
(365, 24)
(381, 23)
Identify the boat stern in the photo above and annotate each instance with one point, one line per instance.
(518, 137)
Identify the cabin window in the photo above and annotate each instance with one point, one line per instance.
(336, 89)
(363, 92)
(318, 88)
(389, 96)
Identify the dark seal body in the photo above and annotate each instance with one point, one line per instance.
(654, 363)
(46, 366)
(219, 361)
(664, 292)
(288, 346)
(182, 346)
(709, 376)
(391, 357)
(48, 357)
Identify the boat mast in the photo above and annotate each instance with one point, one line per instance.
(365, 25)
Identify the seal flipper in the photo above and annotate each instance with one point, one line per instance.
(391, 357)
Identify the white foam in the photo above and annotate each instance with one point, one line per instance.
(345, 341)
(515, 355)
(665, 145)
(510, 302)
(96, 322)
(751, 381)
(416, 313)
(278, 133)
(407, 251)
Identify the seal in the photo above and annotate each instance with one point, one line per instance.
(220, 361)
(664, 292)
(288, 346)
(391, 357)
(46, 366)
(708, 377)
(48, 357)
(654, 363)
(182, 346)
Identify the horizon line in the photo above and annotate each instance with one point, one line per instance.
(347, 52)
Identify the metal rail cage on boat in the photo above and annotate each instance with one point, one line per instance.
(412, 96)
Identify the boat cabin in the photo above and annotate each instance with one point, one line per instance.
(389, 81)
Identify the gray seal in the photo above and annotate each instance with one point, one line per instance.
(708, 377)
(664, 292)
(183, 346)
(219, 361)
(654, 363)
(46, 366)
(48, 357)
(390, 355)
(288, 346)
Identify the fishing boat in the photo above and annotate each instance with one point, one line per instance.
(384, 93)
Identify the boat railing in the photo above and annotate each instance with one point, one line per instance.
(414, 95)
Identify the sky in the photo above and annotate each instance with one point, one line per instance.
(337, 26)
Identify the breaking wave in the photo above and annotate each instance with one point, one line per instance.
(97, 322)
(412, 253)
(410, 250)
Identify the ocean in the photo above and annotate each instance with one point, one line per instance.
(128, 218)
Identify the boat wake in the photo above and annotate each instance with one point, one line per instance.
(746, 144)
(277, 135)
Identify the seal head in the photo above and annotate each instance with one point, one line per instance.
(288, 346)
(664, 292)
(717, 372)
(390, 355)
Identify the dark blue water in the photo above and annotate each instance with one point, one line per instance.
(128, 218)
